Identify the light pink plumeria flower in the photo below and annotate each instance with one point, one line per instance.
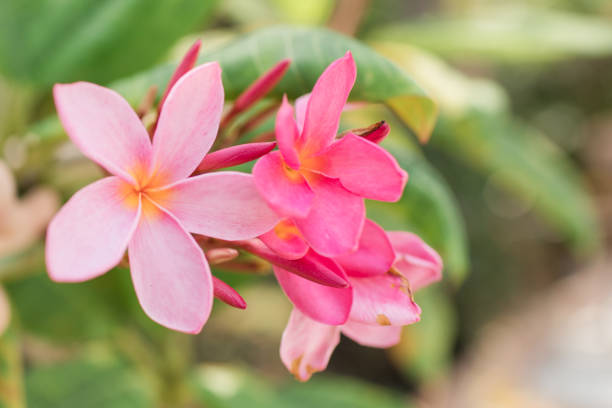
(382, 303)
(318, 182)
(150, 205)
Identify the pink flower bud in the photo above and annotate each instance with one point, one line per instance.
(227, 294)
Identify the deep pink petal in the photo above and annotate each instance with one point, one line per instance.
(90, 233)
(185, 66)
(416, 260)
(334, 223)
(306, 345)
(104, 127)
(223, 205)
(326, 102)
(374, 256)
(170, 274)
(261, 86)
(285, 239)
(5, 311)
(301, 104)
(188, 124)
(284, 189)
(287, 134)
(384, 300)
(372, 336)
(227, 294)
(322, 303)
(363, 168)
(234, 155)
(312, 266)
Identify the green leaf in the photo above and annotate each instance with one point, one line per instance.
(47, 41)
(86, 383)
(11, 371)
(515, 34)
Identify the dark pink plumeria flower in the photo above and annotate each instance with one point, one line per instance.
(382, 301)
(318, 182)
(149, 204)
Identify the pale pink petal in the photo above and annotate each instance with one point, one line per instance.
(90, 233)
(372, 336)
(223, 205)
(301, 104)
(104, 127)
(374, 256)
(312, 266)
(384, 300)
(334, 223)
(188, 124)
(363, 168)
(286, 240)
(322, 303)
(185, 65)
(5, 311)
(227, 294)
(416, 260)
(261, 86)
(170, 274)
(306, 345)
(284, 189)
(287, 134)
(326, 102)
(234, 155)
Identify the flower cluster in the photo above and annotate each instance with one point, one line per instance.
(302, 209)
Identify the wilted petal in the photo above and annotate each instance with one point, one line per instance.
(186, 64)
(234, 155)
(372, 336)
(384, 300)
(306, 345)
(326, 102)
(416, 260)
(227, 294)
(284, 189)
(334, 223)
(90, 233)
(287, 134)
(104, 127)
(223, 205)
(170, 274)
(363, 168)
(285, 239)
(188, 124)
(322, 303)
(374, 256)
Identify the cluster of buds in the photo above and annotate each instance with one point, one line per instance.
(301, 210)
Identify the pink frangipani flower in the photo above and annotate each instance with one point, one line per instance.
(149, 204)
(382, 303)
(318, 182)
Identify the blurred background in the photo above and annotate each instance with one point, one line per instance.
(514, 189)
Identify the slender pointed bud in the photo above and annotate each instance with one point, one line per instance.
(233, 156)
(185, 66)
(375, 133)
(227, 294)
(257, 90)
(216, 256)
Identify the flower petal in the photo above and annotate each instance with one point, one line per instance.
(384, 300)
(170, 274)
(285, 239)
(416, 260)
(306, 345)
(285, 190)
(301, 104)
(363, 168)
(322, 303)
(374, 256)
(234, 155)
(188, 61)
(104, 127)
(326, 102)
(90, 233)
(223, 205)
(372, 336)
(287, 134)
(334, 223)
(188, 124)
(227, 294)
